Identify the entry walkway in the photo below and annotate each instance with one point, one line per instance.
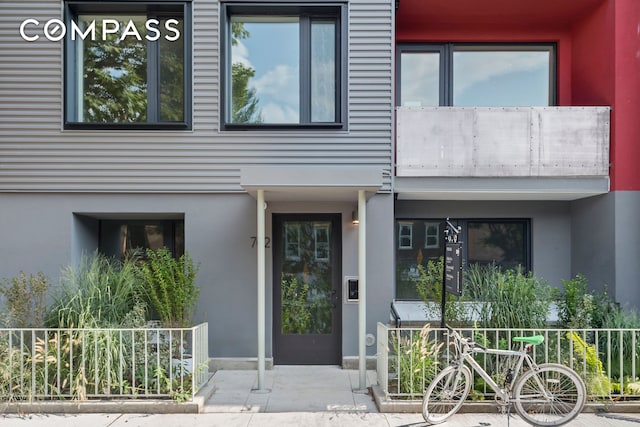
(291, 389)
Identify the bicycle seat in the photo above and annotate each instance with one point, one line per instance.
(535, 340)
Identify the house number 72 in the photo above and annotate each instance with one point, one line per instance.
(267, 242)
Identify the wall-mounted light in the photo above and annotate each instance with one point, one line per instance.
(354, 218)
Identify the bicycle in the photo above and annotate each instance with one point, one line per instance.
(543, 395)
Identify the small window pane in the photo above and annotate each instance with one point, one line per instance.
(502, 243)
(420, 79)
(501, 78)
(172, 76)
(432, 235)
(323, 72)
(265, 84)
(113, 88)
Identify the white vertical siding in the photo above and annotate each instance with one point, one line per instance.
(36, 154)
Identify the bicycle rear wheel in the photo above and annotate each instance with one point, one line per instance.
(446, 394)
(551, 395)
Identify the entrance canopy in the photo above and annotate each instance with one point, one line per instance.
(314, 183)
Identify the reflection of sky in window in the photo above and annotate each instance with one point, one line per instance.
(272, 50)
(500, 78)
(480, 78)
(420, 72)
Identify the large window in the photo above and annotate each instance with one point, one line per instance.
(505, 242)
(476, 75)
(283, 66)
(118, 238)
(127, 65)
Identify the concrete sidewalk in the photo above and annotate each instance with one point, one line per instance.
(297, 419)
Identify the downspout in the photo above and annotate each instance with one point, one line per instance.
(362, 291)
(261, 287)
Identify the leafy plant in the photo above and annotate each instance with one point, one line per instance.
(170, 287)
(25, 300)
(598, 383)
(429, 287)
(576, 305)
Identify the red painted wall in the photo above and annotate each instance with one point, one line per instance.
(625, 172)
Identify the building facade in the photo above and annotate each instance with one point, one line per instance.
(252, 133)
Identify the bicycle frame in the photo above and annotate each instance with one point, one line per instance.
(504, 394)
(466, 349)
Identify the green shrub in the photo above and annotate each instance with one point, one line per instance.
(429, 287)
(508, 299)
(595, 378)
(99, 293)
(169, 285)
(576, 306)
(25, 300)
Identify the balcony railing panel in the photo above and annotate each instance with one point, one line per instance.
(502, 141)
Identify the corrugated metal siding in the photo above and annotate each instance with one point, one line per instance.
(37, 155)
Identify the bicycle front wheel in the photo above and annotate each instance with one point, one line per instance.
(551, 395)
(446, 394)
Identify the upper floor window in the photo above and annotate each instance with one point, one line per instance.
(476, 75)
(127, 65)
(283, 65)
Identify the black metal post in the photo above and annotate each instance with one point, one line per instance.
(444, 273)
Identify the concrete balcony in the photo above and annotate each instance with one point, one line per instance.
(493, 152)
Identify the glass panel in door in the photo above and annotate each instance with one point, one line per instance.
(306, 290)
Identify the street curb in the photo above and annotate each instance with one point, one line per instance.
(119, 406)
(386, 405)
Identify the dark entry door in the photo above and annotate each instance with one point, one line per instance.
(306, 289)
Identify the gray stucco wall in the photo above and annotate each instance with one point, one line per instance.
(593, 241)
(627, 244)
(606, 241)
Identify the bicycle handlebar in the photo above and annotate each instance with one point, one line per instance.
(467, 341)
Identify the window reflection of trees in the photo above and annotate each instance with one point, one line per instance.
(115, 76)
(116, 79)
(244, 102)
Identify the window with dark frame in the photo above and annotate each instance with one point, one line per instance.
(120, 238)
(505, 242)
(127, 66)
(463, 74)
(283, 66)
